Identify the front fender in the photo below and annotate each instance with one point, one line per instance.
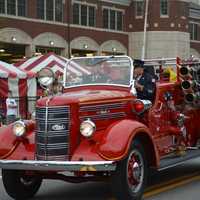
(8, 142)
(12, 147)
(117, 139)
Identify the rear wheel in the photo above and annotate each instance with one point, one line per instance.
(130, 178)
(20, 186)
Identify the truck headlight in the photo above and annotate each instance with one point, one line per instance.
(87, 128)
(19, 128)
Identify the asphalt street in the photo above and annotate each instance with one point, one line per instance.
(179, 183)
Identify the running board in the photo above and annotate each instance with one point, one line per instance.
(178, 160)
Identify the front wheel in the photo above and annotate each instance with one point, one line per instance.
(130, 178)
(20, 186)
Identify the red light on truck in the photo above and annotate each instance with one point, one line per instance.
(138, 106)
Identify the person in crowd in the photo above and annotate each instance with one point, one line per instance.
(11, 105)
(144, 82)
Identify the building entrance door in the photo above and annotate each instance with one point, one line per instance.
(83, 53)
(11, 53)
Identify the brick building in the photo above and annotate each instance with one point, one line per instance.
(99, 27)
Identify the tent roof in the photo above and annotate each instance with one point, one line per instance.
(10, 71)
(51, 60)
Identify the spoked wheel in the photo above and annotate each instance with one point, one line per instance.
(130, 179)
(135, 171)
(20, 186)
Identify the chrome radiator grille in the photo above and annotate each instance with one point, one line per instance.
(52, 133)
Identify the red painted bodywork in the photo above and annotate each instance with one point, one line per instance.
(17, 148)
(115, 146)
(113, 137)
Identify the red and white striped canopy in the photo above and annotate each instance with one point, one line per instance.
(21, 83)
(50, 60)
(10, 71)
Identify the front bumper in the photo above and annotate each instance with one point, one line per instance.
(35, 165)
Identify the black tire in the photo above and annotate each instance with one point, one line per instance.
(124, 178)
(20, 186)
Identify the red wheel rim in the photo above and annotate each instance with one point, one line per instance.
(135, 170)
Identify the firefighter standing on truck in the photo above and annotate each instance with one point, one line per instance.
(145, 82)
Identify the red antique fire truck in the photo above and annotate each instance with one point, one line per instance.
(98, 129)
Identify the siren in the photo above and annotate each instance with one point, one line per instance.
(185, 70)
(188, 84)
(192, 97)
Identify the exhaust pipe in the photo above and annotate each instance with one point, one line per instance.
(188, 84)
(185, 70)
(192, 97)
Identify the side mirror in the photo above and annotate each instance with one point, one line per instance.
(45, 77)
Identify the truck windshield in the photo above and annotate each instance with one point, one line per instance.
(98, 71)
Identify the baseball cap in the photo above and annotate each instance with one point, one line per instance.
(138, 63)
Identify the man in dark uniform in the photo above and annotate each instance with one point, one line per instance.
(145, 82)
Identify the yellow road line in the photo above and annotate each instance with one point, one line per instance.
(172, 181)
(169, 185)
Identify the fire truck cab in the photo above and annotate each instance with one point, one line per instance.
(98, 129)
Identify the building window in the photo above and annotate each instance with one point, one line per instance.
(40, 9)
(21, 7)
(76, 9)
(139, 8)
(51, 10)
(13, 7)
(193, 31)
(91, 16)
(119, 20)
(84, 14)
(184, 10)
(164, 8)
(105, 18)
(2, 6)
(112, 19)
(59, 11)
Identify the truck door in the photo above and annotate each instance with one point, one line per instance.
(160, 116)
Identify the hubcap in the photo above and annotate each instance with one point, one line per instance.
(27, 181)
(135, 171)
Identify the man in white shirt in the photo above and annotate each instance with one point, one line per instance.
(11, 106)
